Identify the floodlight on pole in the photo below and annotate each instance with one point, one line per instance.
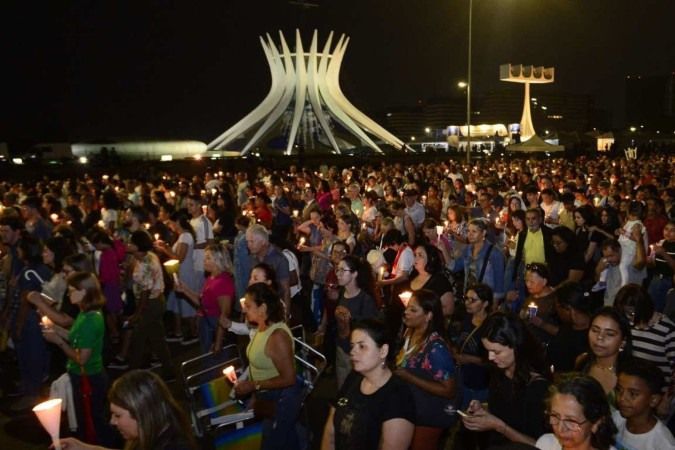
(468, 91)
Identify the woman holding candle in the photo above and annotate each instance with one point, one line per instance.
(354, 303)
(182, 251)
(148, 288)
(83, 345)
(518, 384)
(426, 364)
(539, 307)
(273, 381)
(145, 414)
(428, 274)
(216, 299)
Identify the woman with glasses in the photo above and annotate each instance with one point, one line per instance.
(539, 307)
(580, 417)
(470, 354)
(354, 304)
(518, 384)
(610, 344)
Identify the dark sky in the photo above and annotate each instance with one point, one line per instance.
(81, 70)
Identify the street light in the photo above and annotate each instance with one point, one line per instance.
(468, 92)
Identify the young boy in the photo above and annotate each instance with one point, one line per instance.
(638, 392)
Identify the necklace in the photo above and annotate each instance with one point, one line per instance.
(608, 369)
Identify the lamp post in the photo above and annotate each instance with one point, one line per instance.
(468, 92)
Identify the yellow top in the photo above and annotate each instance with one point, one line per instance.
(533, 248)
(566, 218)
(262, 366)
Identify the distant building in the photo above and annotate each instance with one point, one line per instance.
(650, 101)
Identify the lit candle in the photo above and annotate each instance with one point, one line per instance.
(381, 275)
(405, 297)
(46, 322)
(172, 266)
(49, 415)
(242, 301)
(157, 236)
(172, 194)
(532, 310)
(147, 226)
(296, 213)
(101, 224)
(301, 241)
(105, 177)
(307, 185)
(214, 191)
(54, 217)
(230, 374)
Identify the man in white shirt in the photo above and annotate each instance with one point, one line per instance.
(414, 208)
(203, 234)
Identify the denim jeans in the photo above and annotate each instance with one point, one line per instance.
(658, 288)
(279, 432)
(207, 332)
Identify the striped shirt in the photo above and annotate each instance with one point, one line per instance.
(657, 344)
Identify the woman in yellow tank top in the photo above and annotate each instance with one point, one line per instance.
(273, 381)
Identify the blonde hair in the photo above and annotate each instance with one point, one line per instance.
(221, 257)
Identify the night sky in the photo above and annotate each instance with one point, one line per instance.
(83, 70)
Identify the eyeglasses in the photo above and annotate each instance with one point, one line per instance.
(340, 270)
(570, 424)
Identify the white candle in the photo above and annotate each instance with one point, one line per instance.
(381, 275)
(296, 213)
(101, 224)
(532, 310)
(172, 266)
(405, 297)
(157, 236)
(302, 241)
(242, 301)
(49, 415)
(230, 373)
(54, 217)
(147, 226)
(46, 322)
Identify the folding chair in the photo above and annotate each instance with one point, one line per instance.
(215, 412)
(309, 365)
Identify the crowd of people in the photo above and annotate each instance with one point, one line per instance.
(525, 301)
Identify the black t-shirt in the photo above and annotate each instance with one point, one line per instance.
(439, 284)
(358, 417)
(523, 409)
(561, 264)
(361, 306)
